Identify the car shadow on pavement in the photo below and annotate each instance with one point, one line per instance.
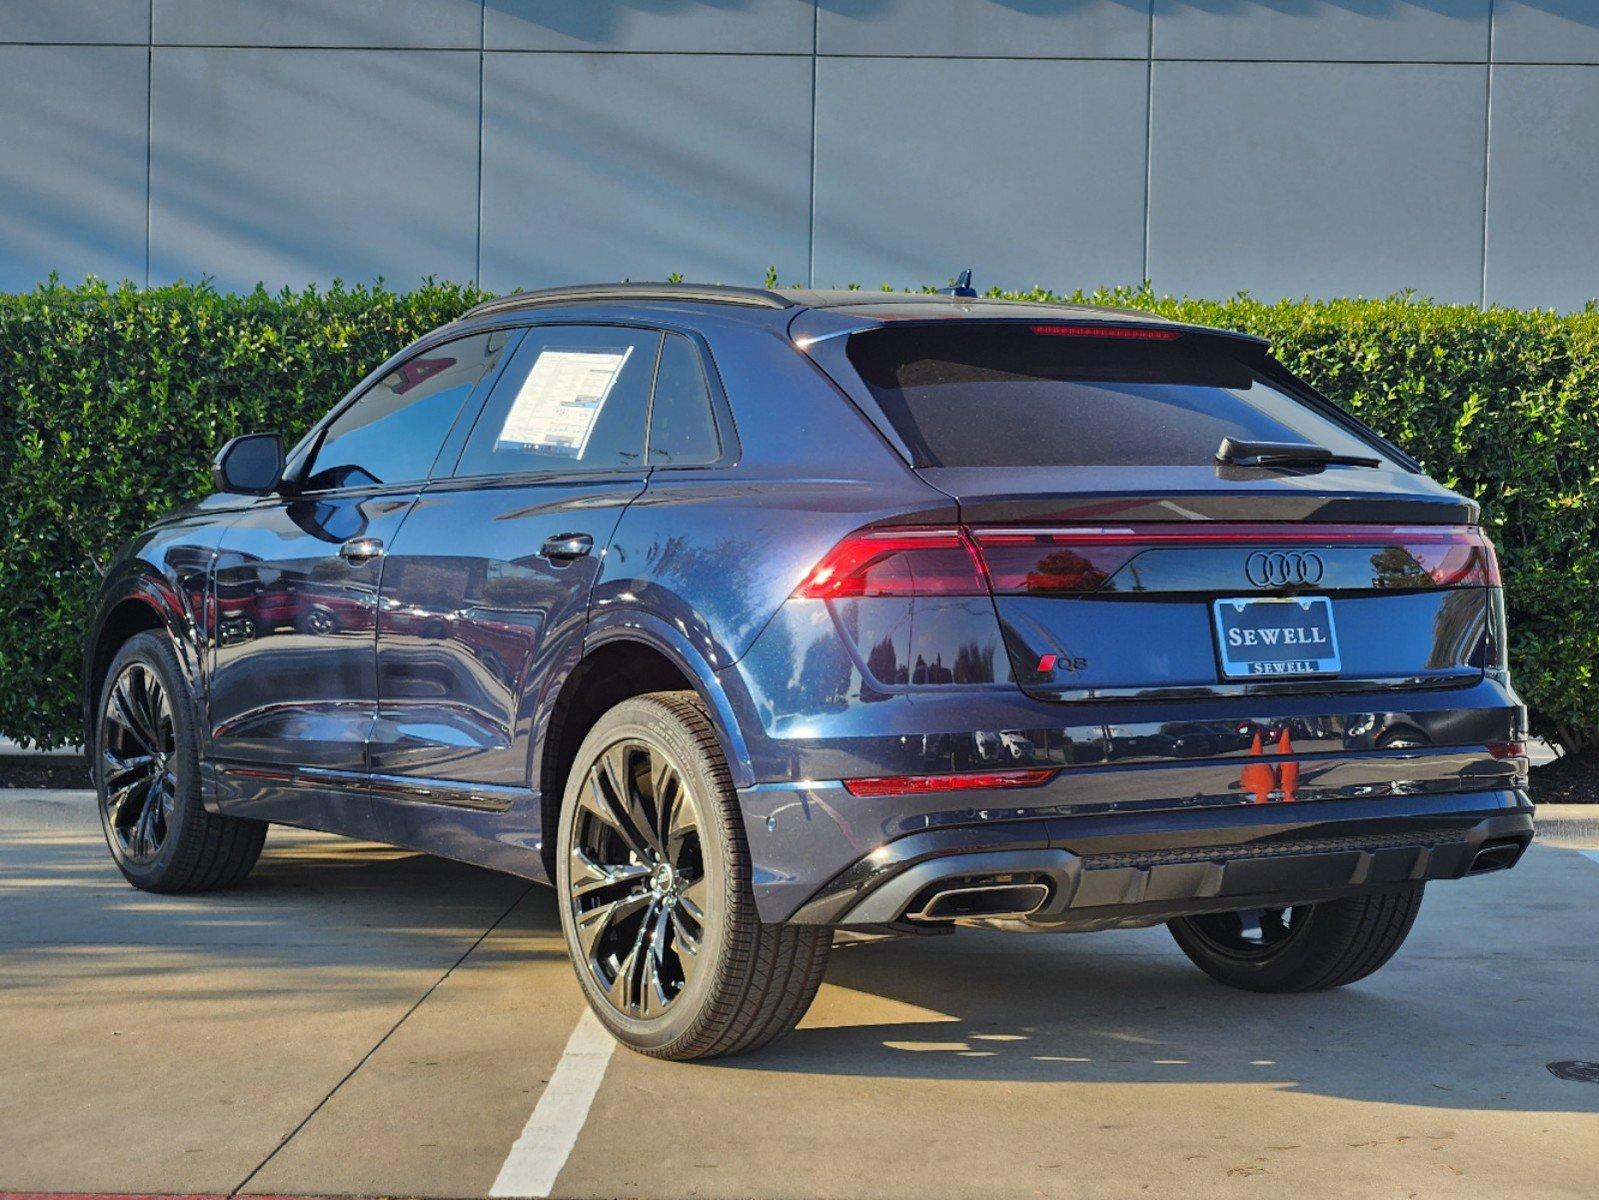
(1466, 1016)
(361, 918)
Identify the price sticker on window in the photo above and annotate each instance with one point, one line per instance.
(560, 400)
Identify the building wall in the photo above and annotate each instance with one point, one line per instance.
(1288, 147)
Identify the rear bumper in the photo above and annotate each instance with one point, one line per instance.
(1123, 869)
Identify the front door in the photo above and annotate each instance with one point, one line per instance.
(293, 690)
(487, 585)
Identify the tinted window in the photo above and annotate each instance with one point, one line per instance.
(393, 432)
(573, 398)
(682, 429)
(992, 395)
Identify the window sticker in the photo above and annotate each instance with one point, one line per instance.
(560, 400)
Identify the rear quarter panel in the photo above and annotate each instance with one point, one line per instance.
(705, 558)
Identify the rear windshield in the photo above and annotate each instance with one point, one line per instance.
(973, 395)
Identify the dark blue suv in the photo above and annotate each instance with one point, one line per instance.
(748, 618)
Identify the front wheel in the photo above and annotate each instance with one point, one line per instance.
(653, 876)
(1306, 948)
(147, 777)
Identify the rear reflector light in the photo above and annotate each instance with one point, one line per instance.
(898, 562)
(1128, 333)
(914, 785)
(1508, 749)
(957, 561)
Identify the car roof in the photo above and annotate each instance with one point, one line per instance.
(845, 309)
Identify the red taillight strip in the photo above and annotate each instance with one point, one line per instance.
(1239, 534)
(912, 562)
(1132, 333)
(913, 785)
(1080, 559)
(960, 561)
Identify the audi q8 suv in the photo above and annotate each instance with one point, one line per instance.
(748, 617)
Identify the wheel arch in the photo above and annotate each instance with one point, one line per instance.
(140, 604)
(624, 656)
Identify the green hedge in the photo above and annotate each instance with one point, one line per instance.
(113, 400)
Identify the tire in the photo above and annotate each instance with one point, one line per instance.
(1311, 947)
(147, 780)
(638, 891)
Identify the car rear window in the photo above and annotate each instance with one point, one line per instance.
(970, 395)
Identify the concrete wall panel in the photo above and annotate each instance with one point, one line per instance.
(1317, 179)
(1546, 31)
(374, 23)
(976, 28)
(916, 180)
(1323, 30)
(296, 167)
(72, 160)
(84, 21)
(1543, 188)
(603, 166)
(682, 26)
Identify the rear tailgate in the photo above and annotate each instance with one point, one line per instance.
(1127, 561)
(1162, 609)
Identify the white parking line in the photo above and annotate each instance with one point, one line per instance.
(551, 1132)
(1593, 854)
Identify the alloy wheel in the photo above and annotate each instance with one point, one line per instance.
(638, 892)
(138, 763)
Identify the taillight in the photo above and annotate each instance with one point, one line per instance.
(1082, 559)
(1463, 558)
(1507, 749)
(957, 561)
(898, 562)
(912, 785)
(1075, 561)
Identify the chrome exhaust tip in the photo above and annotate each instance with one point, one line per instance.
(981, 902)
(1496, 856)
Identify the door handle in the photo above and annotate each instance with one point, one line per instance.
(566, 547)
(361, 550)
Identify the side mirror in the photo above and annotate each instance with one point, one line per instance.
(251, 464)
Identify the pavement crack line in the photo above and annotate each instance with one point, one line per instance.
(378, 1045)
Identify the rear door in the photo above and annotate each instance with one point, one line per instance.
(1126, 560)
(486, 588)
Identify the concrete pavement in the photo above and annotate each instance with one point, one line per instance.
(360, 1020)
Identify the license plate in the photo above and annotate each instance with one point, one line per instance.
(1276, 637)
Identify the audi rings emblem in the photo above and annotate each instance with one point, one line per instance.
(1284, 568)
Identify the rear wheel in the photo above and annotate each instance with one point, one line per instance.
(147, 775)
(1305, 948)
(653, 874)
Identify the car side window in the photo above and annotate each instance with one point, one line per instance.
(572, 398)
(393, 432)
(682, 427)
